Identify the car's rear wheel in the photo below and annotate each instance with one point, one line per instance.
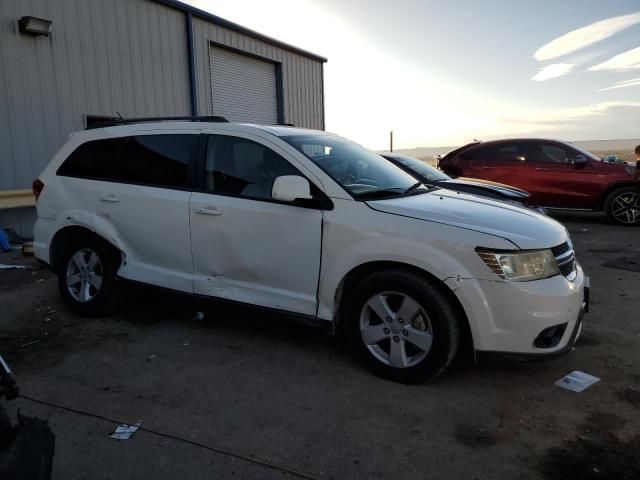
(86, 277)
(623, 206)
(403, 325)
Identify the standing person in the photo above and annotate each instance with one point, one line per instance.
(638, 153)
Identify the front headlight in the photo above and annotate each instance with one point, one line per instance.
(521, 266)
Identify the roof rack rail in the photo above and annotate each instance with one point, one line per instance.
(129, 121)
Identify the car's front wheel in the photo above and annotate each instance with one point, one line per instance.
(623, 206)
(403, 325)
(86, 277)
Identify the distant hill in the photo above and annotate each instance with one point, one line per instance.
(622, 147)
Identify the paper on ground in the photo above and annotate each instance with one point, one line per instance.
(124, 431)
(577, 381)
(11, 267)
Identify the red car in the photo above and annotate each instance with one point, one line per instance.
(557, 175)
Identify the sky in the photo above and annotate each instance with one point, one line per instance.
(444, 73)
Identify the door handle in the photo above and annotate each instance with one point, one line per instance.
(208, 211)
(542, 169)
(488, 168)
(109, 197)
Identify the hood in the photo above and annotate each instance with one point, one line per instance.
(522, 227)
(506, 190)
(631, 168)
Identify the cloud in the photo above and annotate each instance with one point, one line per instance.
(585, 36)
(553, 71)
(540, 119)
(623, 62)
(634, 82)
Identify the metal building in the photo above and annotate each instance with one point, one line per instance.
(67, 63)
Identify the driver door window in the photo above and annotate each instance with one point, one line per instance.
(241, 167)
(547, 153)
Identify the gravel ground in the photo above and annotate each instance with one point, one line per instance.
(244, 394)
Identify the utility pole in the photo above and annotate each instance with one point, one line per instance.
(391, 141)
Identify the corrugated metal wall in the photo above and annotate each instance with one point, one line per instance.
(109, 56)
(301, 76)
(103, 57)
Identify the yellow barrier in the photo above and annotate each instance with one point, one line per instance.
(16, 199)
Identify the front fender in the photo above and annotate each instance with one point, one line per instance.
(441, 250)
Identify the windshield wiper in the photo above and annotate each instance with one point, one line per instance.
(413, 187)
(383, 192)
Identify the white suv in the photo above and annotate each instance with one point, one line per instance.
(307, 223)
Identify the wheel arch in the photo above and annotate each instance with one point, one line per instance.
(611, 188)
(66, 237)
(358, 273)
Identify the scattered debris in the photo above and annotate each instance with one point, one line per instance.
(577, 381)
(124, 431)
(199, 316)
(151, 357)
(40, 280)
(28, 344)
(27, 250)
(4, 266)
(186, 344)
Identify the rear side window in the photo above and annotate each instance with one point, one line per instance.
(495, 153)
(158, 160)
(97, 159)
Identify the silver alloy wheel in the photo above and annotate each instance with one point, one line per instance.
(84, 275)
(396, 329)
(626, 207)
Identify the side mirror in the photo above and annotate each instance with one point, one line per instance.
(579, 160)
(288, 188)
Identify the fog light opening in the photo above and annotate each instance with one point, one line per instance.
(550, 337)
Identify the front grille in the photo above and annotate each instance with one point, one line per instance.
(566, 258)
(560, 249)
(568, 268)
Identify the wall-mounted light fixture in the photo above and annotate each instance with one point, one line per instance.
(35, 26)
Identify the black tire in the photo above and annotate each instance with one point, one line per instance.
(617, 200)
(433, 301)
(30, 453)
(106, 298)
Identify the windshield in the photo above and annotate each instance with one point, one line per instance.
(432, 174)
(361, 172)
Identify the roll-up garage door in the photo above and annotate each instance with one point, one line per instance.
(243, 87)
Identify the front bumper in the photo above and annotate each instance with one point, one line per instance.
(507, 317)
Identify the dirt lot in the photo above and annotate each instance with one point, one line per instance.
(286, 396)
